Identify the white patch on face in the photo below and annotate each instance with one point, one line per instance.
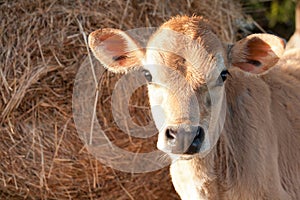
(157, 94)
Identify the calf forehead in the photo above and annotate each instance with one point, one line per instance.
(182, 30)
(191, 49)
(162, 59)
(194, 65)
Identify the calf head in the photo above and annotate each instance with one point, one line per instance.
(186, 66)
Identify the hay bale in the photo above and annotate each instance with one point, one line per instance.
(42, 47)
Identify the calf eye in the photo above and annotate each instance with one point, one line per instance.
(224, 75)
(147, 75)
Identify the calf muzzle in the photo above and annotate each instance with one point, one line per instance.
(185, 139)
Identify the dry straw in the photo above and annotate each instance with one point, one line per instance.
(42, 48)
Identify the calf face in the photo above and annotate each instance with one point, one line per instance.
(186, 66)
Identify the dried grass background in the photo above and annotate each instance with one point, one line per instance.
(41, 49)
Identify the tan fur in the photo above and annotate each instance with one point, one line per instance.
(257, 154)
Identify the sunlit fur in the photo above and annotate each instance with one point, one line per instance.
(255, 155)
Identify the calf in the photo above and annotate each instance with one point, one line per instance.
(230, 113)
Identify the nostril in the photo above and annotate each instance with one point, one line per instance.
(200, 134)
(170, 134)
(197, 142)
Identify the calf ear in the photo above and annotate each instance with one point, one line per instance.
(116, 50)
(257, 53)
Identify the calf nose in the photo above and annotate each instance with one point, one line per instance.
(184, 139)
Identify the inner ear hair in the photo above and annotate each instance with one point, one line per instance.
(118, 58)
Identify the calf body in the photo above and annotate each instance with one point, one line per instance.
(242, 141)
(257, 155)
